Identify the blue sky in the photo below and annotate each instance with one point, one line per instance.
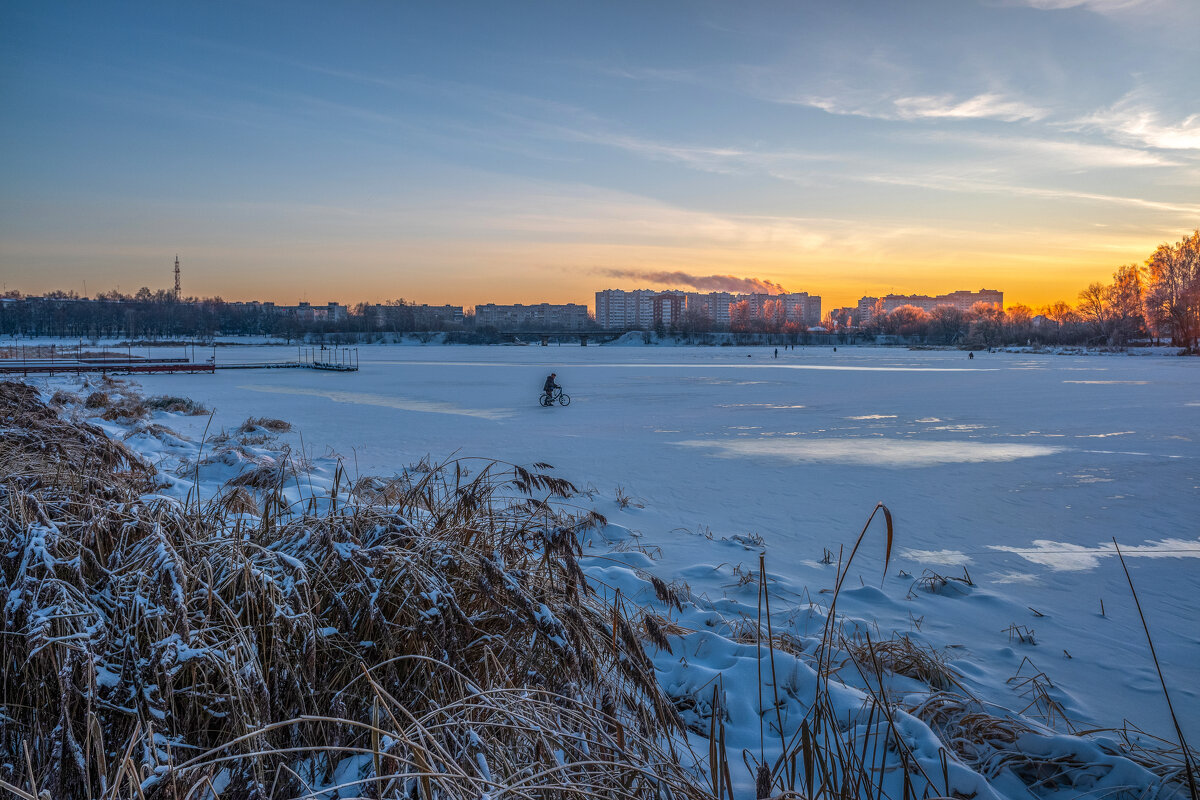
(472, 153)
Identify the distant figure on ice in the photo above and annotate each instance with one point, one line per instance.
(971, 355)
(777, 352)
(549, 386)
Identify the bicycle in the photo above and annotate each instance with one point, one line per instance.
(549, 400)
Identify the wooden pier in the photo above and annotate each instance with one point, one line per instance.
(343, 359)
(107, 366)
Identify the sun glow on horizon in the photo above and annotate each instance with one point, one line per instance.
(342, 157)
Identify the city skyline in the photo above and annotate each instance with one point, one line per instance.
(537, 152)
(749, 292)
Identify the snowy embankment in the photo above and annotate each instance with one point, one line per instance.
(824, 700)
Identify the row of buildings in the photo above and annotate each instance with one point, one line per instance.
(963, 300)
(384, 315)
(547, 316)
(646, 309)
(543, 316)
(620, 309)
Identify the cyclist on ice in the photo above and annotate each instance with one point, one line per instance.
(550, 385)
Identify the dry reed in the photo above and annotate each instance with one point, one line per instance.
(445, 644)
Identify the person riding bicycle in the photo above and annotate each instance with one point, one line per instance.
(550, 386)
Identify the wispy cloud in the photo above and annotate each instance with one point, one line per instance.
(715, 158)
(987, 105)
(711, 283)
(970, 185)
(1099, 6)
(1135, 121)
(1062, 154)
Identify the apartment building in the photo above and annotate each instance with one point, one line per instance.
(799, 307)
(307, 312)
(548, 316)
(865, 310)
(712, 305)
(432, 317)
(962, 300)
(409, 316)
(620, 309)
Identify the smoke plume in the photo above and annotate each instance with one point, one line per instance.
(704, 283)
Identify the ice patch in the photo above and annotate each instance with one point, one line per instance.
(1123, 383)
(1014, 577)
(1103, 435)
(755, 405)
(387, 401)
(1066, 557)
(959, 428)
(874, 416)
(873, 452)
(952, 558)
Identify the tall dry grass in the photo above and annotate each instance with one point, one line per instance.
(444, 644)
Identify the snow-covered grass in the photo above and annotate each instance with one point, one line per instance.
(986, 640)
(432, 635)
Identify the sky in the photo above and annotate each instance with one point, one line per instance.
(537, 152)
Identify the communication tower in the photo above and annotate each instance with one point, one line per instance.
(176, 276)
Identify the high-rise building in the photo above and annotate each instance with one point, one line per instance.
(713, 306)
(617, 309)
(642, 309)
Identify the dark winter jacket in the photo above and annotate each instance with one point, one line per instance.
(550, 385)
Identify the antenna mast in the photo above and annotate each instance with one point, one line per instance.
(177, 276)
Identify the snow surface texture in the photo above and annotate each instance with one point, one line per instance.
(1019, 468)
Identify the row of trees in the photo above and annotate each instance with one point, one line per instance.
(1159, 300)
(146, 315)
(158, 315)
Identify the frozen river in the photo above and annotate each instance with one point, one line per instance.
(1019, 468)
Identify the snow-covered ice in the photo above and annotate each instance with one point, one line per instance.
(1019, 468)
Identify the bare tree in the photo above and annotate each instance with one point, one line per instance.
(1126, 303)
(1094, 309)
(907, 320)
(947, 324)
(1173, 293)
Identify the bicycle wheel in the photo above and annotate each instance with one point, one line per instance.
(545, 401)
(564, 399)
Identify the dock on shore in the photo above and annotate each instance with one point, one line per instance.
(328, 360)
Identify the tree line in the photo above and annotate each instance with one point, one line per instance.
(1158, 300)
(152, 315)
